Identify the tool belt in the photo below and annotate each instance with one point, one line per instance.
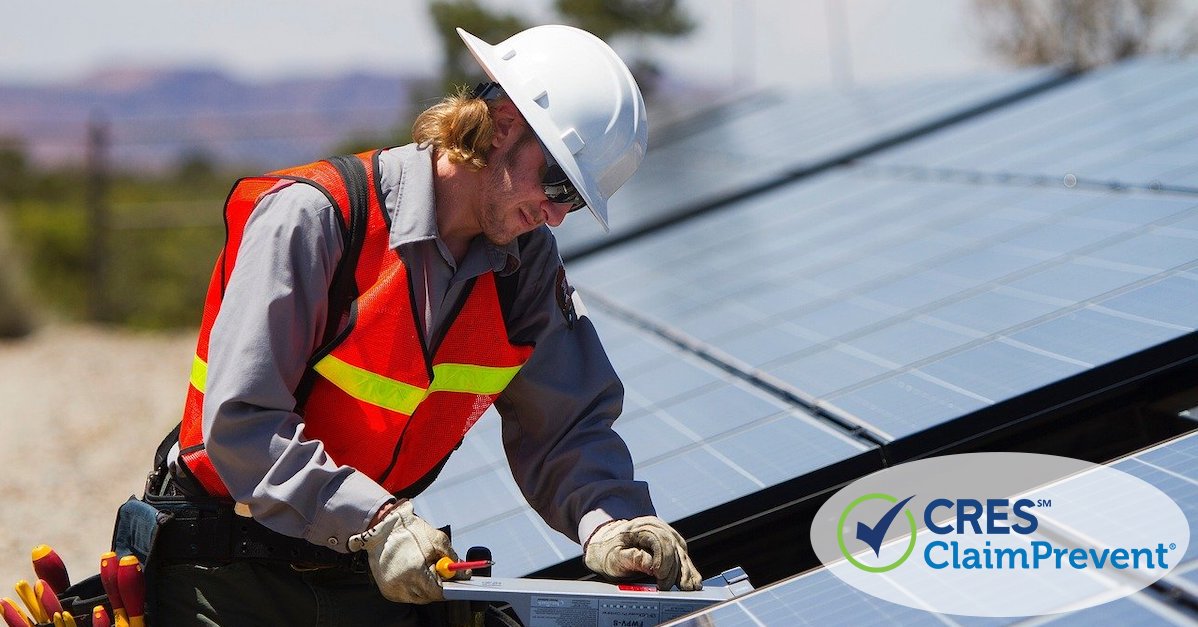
(199, 533)
(170, 525)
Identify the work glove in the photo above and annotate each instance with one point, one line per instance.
(623, 548)
(403, 550)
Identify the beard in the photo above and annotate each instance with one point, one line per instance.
(501, 217)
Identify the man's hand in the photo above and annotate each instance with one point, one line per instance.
(403, 549)
(622, 548)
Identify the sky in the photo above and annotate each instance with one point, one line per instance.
(746, 43)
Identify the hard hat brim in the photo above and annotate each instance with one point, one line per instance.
(520, 92)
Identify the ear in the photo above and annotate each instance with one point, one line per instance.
(505, 120)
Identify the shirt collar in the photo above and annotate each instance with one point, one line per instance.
(411, 203)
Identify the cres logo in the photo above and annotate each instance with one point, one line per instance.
(873, 535)
(1000, 534)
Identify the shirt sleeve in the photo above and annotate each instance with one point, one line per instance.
(575, 471)
(271, 319)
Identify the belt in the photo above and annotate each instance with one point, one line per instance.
(203, 529)
(213, 533)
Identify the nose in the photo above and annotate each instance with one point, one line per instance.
(555, 212)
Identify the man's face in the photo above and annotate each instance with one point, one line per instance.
(515, 200)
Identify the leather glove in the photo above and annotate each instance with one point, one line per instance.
(622, 548)
(402, 551)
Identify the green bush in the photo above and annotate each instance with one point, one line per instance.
(164, 235)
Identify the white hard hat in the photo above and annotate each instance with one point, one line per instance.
(580, 100)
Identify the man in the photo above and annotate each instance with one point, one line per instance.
(363, 315)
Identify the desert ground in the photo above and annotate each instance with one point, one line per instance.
(81, 410)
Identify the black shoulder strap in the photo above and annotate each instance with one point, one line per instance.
(343, 290)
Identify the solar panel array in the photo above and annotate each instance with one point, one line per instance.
(897, 305)
(675, 401)
(1131, 125)
(698, 436)
(862, 306)
(756, 140)
(820, 598)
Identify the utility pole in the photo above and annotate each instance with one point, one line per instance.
(97, 217)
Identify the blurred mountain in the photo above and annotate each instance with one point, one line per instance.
(158, 117)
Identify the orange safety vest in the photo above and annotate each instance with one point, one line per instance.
(372, 394)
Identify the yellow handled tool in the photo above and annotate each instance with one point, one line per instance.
(48, 566)
(133, 590)
(12, 614)
(447, 567)
(25, 591)
(109, 565)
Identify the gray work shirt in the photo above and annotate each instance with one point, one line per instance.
(557, 412)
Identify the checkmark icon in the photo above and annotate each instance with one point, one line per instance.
(874, 535)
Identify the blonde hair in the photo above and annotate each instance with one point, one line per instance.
(460, 125)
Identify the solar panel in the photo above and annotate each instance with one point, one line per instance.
(699, 436)
(900, 304)
(819, 597)
(1128, 125)
(751, 142)
(800, 327)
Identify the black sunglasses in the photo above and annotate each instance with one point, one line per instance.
(557, 185)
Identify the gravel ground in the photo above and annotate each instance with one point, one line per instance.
(81, 411)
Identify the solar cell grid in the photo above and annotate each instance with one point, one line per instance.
(898, 298)
(722, 155)
(698, 435)
(1130, 124)
(854, 316)
(819, 597)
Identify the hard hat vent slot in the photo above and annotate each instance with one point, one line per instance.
(508, 54)
(536, 89)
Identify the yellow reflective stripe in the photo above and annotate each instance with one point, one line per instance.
(403, 397)
(199, 374)
(370, 387)
(392, 394)
(470, 379)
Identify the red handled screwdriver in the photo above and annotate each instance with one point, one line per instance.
(108, 576)
(100, 617)
(45, 593)
(447, 567)
(13, 616)
(133, 590)
(48, 565)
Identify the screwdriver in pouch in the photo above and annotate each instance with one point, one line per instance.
(48, 565)
(100, 617)
(25, 591)
(108, 576)
(49, 599)
(133, 590)
(13, 616)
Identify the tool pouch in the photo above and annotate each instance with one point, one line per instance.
(137, 530)
(82, 597)
(137, 527)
